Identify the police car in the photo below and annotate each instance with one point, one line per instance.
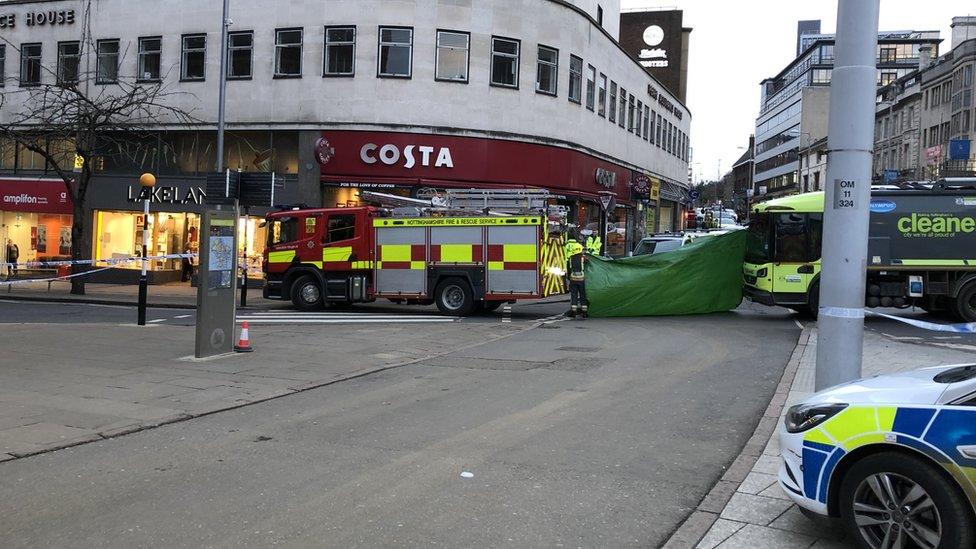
(893, 457)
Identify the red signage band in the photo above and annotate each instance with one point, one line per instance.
(34, 196)
(366, 155)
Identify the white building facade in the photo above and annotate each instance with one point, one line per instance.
(536, 93)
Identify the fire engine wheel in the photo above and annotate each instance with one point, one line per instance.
(306, 294)
(454, 297)
(966, 303)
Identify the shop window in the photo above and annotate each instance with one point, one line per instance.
(240, 51)
(30, 64)
(150, 58)
(193, 62)
(285, 145)
(590, 86)
(179, 153)
(130, 155)
(341, 227)
(601, 100)
(340, 51)
(28, 160)
(107, 61)
(38, 237)
(395, 52)
(452, 56)
(69, 54)
(612, 104)
(505, 62)
(288, 53)
(622, 115)
(62, 152)
(575, 79)
(547, 70)
(8, 154)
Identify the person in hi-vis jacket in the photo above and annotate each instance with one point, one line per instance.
(575, 273)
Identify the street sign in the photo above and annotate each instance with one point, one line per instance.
(890, 176)
(845, 194)
(695, 195)
(959, 149)
(216, 307)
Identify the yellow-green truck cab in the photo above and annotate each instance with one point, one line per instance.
(921, 250)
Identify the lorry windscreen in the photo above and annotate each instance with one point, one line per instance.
(282, 230)
(758, 239)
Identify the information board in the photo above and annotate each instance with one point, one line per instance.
(216, 291)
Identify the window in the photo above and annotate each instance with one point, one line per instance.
(283, 230)
(968, 78)
(341, 227)
(288, 53)
(599, 15)
(601, 100)
(590, 86)
(547, 70)
(452, 56)
(150, 52)
(505, 62)
(395, 52)
(647, 121)
(630, 114)
(887, 54)
(3, 64)
(340, 51)
(622, 115)
(575, 79)
(193, 62)
(660, 132)
(654, 126)
(640, 115)
(69, 56)
(30, 64)
(107, 61)
(240, 51)
(612, 105)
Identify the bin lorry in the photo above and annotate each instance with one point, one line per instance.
(465, 251)
(921, 249)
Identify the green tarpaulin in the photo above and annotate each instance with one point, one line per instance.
(704, 276)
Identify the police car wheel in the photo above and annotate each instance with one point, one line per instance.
(306, 294)
(454, 297)
(896, 500)
(966, 303)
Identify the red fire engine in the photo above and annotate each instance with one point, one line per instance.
(473, 250)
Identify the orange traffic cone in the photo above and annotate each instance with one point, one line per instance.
(244, 344)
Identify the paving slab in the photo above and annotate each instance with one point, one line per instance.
(754, 509)
(757, 537)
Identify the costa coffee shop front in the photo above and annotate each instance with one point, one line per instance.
(174, 228)
(414, 165)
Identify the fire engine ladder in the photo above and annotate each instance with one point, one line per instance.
(466, 201)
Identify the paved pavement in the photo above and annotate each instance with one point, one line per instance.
(605, 432)
(752, 511)
(73, 373)
(161, 295)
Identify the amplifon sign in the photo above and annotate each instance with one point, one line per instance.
(36, 196)
(391, 155)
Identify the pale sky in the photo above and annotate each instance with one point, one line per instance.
(734, 45)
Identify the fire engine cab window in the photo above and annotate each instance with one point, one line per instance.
(283, 230)
(791, 237)
(341, 227)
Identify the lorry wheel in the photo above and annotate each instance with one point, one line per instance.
(813, 300)
(306, 294)
(965, 303)
(454, 297)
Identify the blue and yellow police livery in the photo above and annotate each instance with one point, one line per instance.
(893, 457)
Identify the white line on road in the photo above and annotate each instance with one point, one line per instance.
(347, 321)
(798, 323)
(153, 321)
(182, 316)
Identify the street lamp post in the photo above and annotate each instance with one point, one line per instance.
(147, 181)
(848, 194)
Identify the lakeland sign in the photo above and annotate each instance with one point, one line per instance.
(167, 195)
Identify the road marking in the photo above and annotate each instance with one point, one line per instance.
(346, 321)
(798, 323)
(182, 316)
(507, 314)
(157, 320)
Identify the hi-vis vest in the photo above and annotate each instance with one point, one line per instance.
(593, 245)
(574, 256)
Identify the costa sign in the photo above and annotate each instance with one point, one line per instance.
(324, 151)
(371, 153)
